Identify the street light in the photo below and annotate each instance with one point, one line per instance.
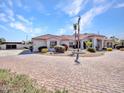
(77, 27)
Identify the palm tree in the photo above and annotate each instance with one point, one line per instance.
(122, 42)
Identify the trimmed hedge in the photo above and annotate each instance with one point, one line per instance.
(92, 50)
(118, 47)
(109, 49)
(59, 49)
(44, 50)
(42, 47)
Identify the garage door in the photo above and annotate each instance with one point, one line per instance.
(11, 47)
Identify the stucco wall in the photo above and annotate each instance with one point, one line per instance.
(65, 42)
(3, 46)
(18, 46)
(37, 44)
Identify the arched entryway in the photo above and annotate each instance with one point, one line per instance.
(84, 45)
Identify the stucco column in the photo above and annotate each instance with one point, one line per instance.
(82, 44)
(58, 42)
(94, 43)
(48, 44)
(102, 43)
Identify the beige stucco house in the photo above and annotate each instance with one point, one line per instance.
(98, 41)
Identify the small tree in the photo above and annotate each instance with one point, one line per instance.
(88, 43)
(2, 40)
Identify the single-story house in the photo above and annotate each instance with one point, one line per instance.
(13, 45)
(98, 41)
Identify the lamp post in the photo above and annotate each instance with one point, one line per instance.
(78, 40)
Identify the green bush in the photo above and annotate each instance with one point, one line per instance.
(109, 49)
(59, 49)
(91, 50)
(88, 43)
(44, 50)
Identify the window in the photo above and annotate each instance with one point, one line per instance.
(11, 46)
(70, 44)
(53, 43)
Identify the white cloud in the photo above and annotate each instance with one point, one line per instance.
(18, 26)
(99, 1)
(61, 31)
(9, 12)
(6, 9)
(37, 30)
(29, 29)
(21, 18)
(72, 7)
(10, 3)
(3, 17)
(11, 18)
(3, 28)
(120, 35)
(68, 29)
(121, 5)
(87, 18)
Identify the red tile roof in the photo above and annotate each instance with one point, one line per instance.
(67, 37)
(46, 37)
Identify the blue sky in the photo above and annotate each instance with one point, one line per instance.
(29, 18)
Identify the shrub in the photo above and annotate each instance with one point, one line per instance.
(44, 50)
(17, 83)
(121, 49)
(25, 47)
(41, 47)
(59, 49)
(91, 50)
(109, 49)
(104, 49)
(118, 47)
(66, 47)
(88, 43)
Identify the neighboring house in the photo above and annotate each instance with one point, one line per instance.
(13, 45)
(98, 41)
(109, 43)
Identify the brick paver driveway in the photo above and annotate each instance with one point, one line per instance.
(103, 74)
